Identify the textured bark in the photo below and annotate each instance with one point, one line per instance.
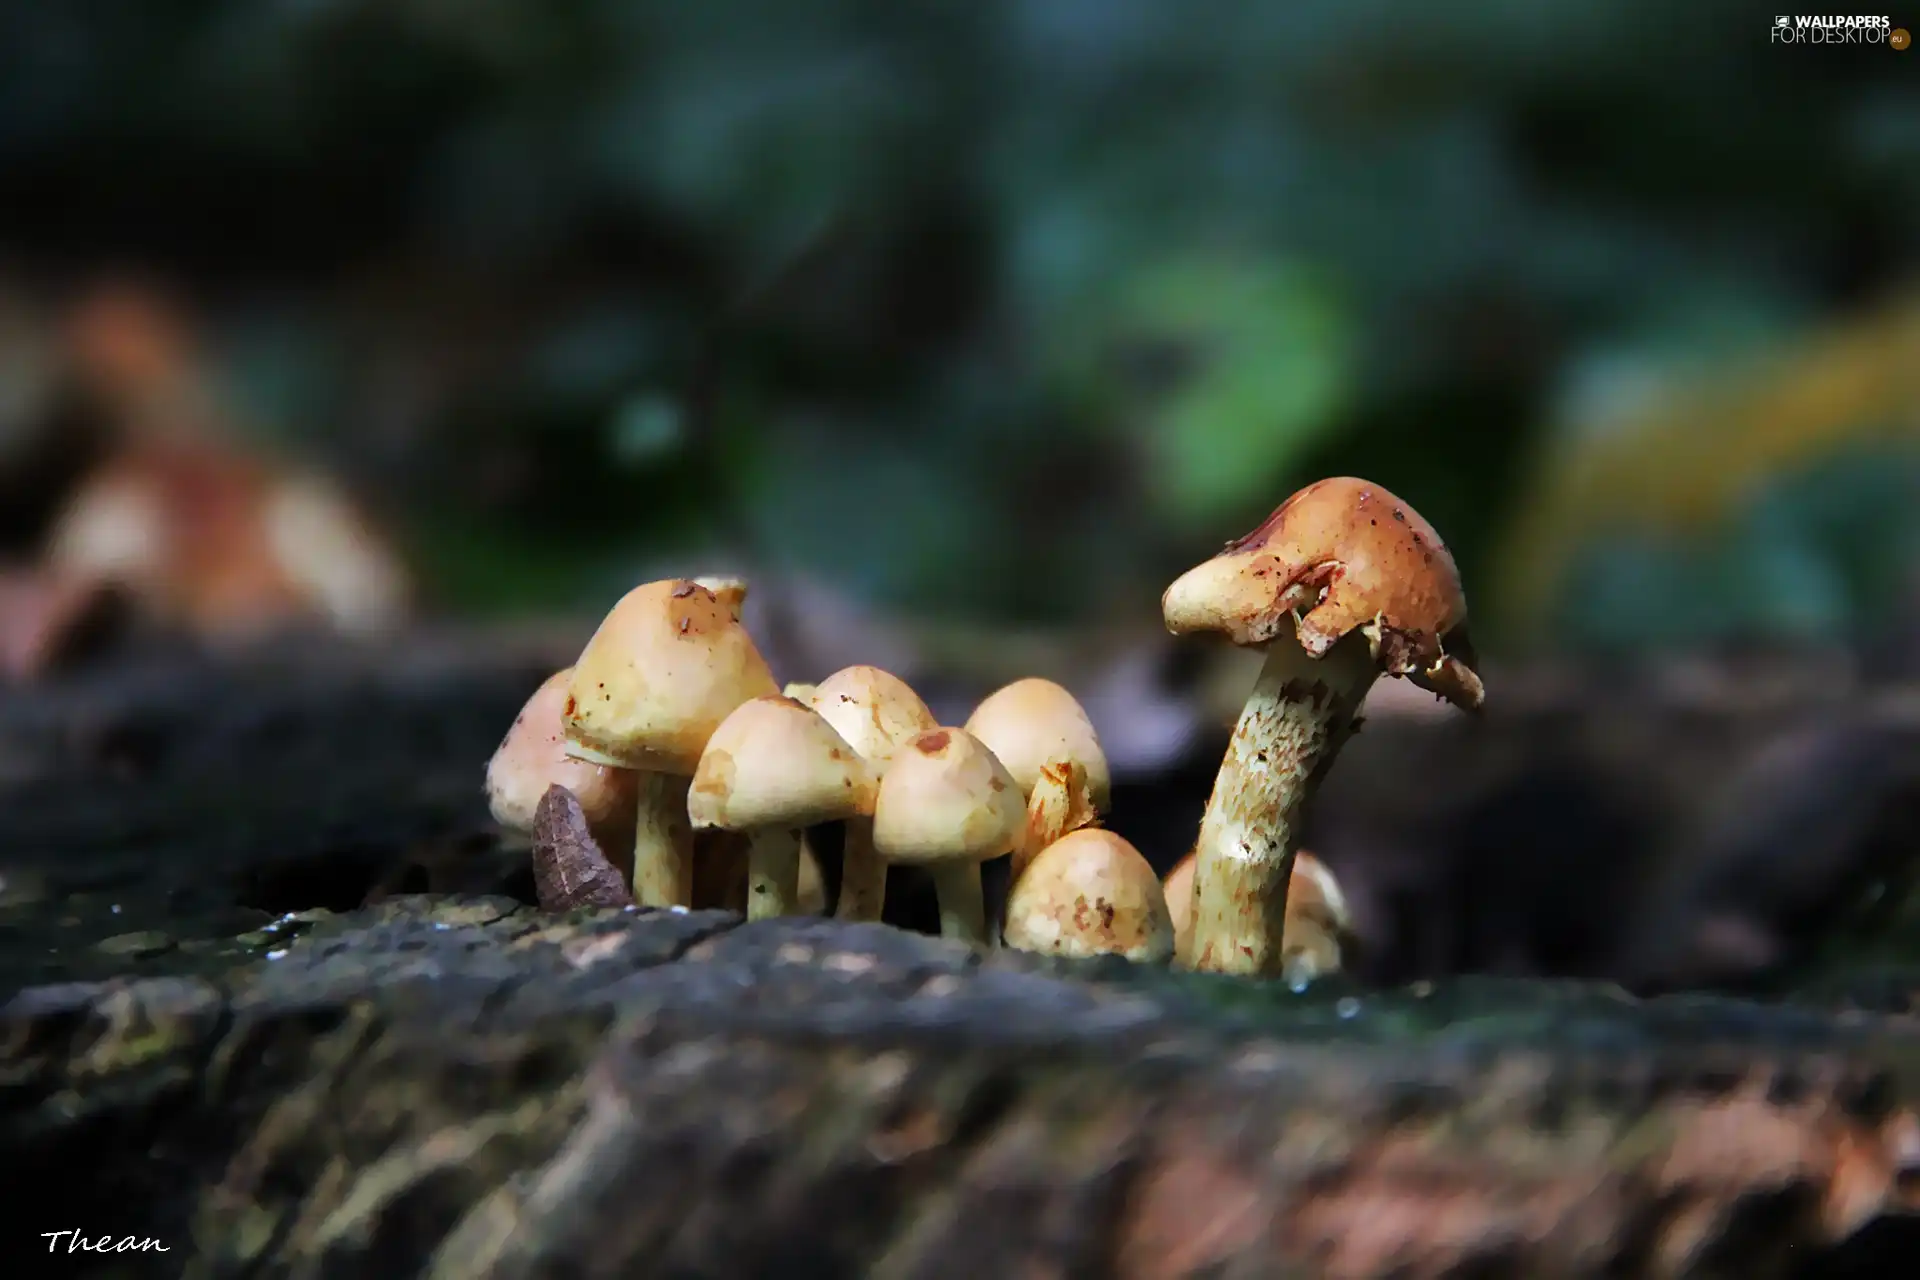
(220, 1048)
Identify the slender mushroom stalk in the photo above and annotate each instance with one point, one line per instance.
(1090, 893)
(948, 804)
(533, 757)
(667, 665)
(875, 711)
(772, 768)
(1044, 737)
(1341, 584)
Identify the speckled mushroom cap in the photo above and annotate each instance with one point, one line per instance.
(775, 763)
(533, 756)
(665, 668)
(874, 710)
(1032, 723)
(1343, 554)
(1090, 893)
(946, 798)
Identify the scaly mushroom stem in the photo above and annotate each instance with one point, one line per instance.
(863, 875)
(663, 844)
(1061, 803)
(773, 873)
(963, 910)
(1294, 723)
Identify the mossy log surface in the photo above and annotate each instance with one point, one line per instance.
(204, 1039)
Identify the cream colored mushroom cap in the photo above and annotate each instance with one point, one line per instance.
(775, 763)
(1032, 723)
(666, 666)
(1340, 555)
(1087, 894)
(872, 709)
(946, 798)
(533, 756)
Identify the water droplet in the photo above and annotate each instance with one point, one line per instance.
(115, 908)
(1347, 1007)
(275, 955)
(1299, 983)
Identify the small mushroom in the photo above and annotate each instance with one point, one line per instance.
(772, 768)
(947, 803)
(875, 711)
(533, 757)
(1342, 583)
(1043, 736)
(1090, 893)
(1318, 936)
(1319, 933)
(666, 666)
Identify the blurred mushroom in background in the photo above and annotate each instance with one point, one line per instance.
(206, 533)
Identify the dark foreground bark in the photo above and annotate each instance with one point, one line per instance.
(214, 1047)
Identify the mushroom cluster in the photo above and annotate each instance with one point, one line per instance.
(670, 740)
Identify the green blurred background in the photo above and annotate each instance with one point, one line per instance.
(1012, 310)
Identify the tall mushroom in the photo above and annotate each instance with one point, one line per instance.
(947, 804)
(875, 711)
(771, 769)
(1341, 584)
(666, 666)
(533, 756)
(1043, 736)
(1090, 893)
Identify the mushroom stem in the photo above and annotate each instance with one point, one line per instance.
(663, 843)
(963, 910)
(863, 875)
(773, 873)
(1295, 721)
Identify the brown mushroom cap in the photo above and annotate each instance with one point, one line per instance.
(666, 666)
(774, 762)
(1032, 723)
(874, 710)
(946, 798)
(1341, 554)
(533, 756)
(1090, 893)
